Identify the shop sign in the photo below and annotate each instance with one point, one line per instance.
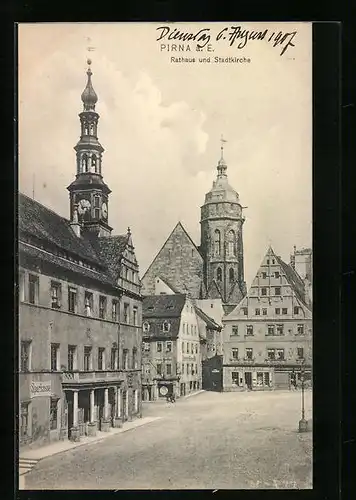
(40, 389)
(163, 390)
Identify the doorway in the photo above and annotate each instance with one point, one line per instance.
(69, 403)
(248, 380)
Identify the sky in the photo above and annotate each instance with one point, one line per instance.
(160, 125)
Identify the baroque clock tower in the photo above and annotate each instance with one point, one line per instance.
(221, 239)
(88, 193)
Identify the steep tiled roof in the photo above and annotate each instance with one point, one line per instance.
(294, 280)
(209, 321)
(163, 306)
(110, 250)
(39, 221)
(44, 256)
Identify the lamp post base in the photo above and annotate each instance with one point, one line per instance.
(303, 425)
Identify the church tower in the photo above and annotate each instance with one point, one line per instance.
(221, 239)
(88, 193)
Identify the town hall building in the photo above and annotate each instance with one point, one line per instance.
(80, 307)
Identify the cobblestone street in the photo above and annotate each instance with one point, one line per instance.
(211, 440)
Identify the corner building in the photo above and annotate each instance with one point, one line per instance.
(268, 336)
(80, 308)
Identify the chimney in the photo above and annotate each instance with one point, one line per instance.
(75, 223)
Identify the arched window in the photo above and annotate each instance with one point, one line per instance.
(146, 326)
(217, 242)
(86, 130)
(231, 275)
(231, 243)
(93, 163)
(91, 129)
(219, 274)
(84, 163)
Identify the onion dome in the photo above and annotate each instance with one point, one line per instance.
(89, 96)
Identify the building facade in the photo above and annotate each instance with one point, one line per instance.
(215, 269)
(80, 308)
(171, 359)
(268, 336)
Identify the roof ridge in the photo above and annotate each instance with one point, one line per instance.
(44, 206)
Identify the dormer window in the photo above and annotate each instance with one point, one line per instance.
(166, 326)
(146, 326)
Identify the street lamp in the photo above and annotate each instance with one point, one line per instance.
(303, 424)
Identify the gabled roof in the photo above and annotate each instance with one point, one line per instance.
(178, 225)
(209, 321)
(294, 280)
(169, 284)
(39, 221)
(163, 306)
(110, 250)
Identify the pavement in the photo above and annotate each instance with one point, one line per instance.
(213, 441)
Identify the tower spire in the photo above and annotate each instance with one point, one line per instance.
(89, 96)
(222, 167)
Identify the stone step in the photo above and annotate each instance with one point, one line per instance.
(27, 461)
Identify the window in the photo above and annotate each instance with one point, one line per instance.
(72, 358)
(146, 346)
(88, 303)
(235, 353)
(134, 358)
(284, 310)
(280, 353)
(33, 289)
(196, 348)
(257, 312)
(53, 418)
(113, 358)
(263, 291)
(135, 315)
(235, 330)
(259, 379)
(296, 309)
(166, 326)
(102, 307)
(169, 369)
(277, 310)
(271, 354)
(267, 378)
(245, 311)
(231, 243)
(217, 242)
(159, 368)
(126, 313)
(159, 346)
(147, 369)
(101, 358)
(249, 353)
(25, 355)
(191, 329)
(55, 295)
(264, 311)
(54, 357)
(300, 329)
(219, 274)
(125, 359)
(277, 290)
(235, 378)
(249, 330)
(22, 286)
(146, 327)
(72, 300)
(264, 276)
(183, 327)
(267, 261)
(280, 329)
(24, 420)
(276, 274)
(183, 346)
(273, 261)
(87, 358)
(168, 346)
(114, 310)
(270, 329)
(300, 353)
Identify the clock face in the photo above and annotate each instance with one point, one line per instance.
(83, 206)
(104, 210)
